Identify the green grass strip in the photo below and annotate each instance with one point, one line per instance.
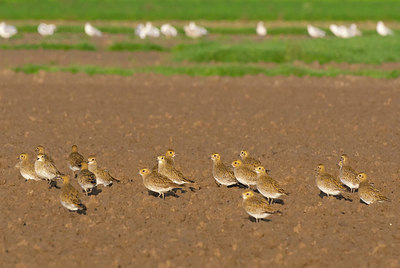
(135, 47)
(211, 70)
(310, 10)
(365, 49)
(49, 46)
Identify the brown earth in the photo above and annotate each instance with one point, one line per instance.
(290, 124)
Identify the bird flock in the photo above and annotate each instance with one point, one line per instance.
(193, 30)
(164, 178)
(87, 173)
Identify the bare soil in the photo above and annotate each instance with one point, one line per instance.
(291, 124)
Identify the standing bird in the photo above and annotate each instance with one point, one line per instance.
(92, 31)
(256, 205)
(354, 31)
(315, 32)
(194, 31)
(267, 186)
(75, 160)
(102, 175)
(46, 169)
(7, 31)
(382, 29)
(169, 171)
(368, 193)
(248, 160)
(261, 30)
(340, 31)
(347, 175)
(40, 150)
(327, 183)
(86, 179)
(244, 174)
(169, 158)
(69, 196)
(168, 30)
(26, 168)
(155, 182)
(221, 173)
(45, 29)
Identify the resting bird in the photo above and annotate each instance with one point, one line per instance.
(92, 31)
(382, 29)
(315, 32)
(46, 29)
(7, 31)
(261, 30)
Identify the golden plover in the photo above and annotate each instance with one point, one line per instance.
(256, 205)
(86, 179)
(102, 175)
(75, 159)
(69, 196)
(368, 193)
(221, 173)
(267, 186)
(169, 171)
(26, 168)
(244, 174)
(248, 160)
(327, 183)
(155, 182)
(347, 175)
(46, 169)
(40, 150)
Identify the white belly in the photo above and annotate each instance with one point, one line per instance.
(328, 191)
(70, 206)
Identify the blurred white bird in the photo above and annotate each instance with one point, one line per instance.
(46, 29)
(92, 31)
(315, 32)
(147, 30)
(261, 30)
(354, 31)
(382, 29)
(151, 30)
(168, 30)
(340, 31)
(194, 31)
(139, 31)
(7, 31)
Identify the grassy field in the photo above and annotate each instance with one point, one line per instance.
(349, 10)
(369, 49)
(50, 46)
(210, 70)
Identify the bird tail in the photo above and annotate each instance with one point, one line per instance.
(277, 212)
(114, 179)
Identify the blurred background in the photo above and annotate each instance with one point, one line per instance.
(232, 44)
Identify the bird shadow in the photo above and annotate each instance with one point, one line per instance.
(252, 219)
(338, 197)
(242, 186)
(165, 195)
(82, 211)
(182, 191)
(235, 185)
(53, 184)
(278, 201)
(95, 191)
